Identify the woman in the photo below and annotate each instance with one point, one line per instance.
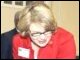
(39, 36)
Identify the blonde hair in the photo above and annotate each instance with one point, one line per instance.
(36, 13)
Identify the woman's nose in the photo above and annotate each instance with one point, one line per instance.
(42, 36)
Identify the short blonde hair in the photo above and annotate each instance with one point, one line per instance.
(36, 13)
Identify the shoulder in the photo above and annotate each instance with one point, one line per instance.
(9, 33)
(7, 36)
(63, 32)
(62, 35)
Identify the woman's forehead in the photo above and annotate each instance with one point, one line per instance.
(37, 27)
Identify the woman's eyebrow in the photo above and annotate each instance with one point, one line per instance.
(39, 32)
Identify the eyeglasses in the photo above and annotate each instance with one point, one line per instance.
(38, 34)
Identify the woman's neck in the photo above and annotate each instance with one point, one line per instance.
(36, 49)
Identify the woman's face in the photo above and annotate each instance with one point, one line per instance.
(39, 36)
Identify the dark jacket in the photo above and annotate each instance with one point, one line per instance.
(6, 44)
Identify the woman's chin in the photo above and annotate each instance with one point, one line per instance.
(42, 45)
